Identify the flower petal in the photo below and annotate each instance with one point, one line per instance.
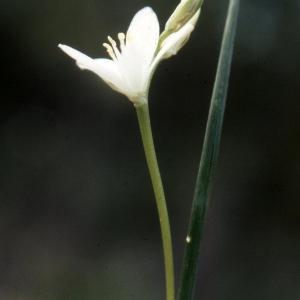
(83, 61)
(172, 44)
(106, 69)
(141, 43)
(109, 72)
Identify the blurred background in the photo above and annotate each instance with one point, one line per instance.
(77, 211)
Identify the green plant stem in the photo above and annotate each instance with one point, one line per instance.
(208, 158)
(145, 127)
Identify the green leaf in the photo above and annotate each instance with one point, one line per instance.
(208, 157)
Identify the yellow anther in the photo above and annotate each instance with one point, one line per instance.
(112, 41)
(128, 36)
(110, 51)
(121, 37)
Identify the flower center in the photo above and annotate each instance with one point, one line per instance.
(112, 49)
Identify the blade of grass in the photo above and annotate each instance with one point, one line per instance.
(208, 157)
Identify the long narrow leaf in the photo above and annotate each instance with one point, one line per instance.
(209, 157)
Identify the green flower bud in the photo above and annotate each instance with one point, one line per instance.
(182, 14)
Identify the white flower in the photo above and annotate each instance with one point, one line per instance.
(131, 68)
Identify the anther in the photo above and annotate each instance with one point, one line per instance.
(112, 41)
(114, 46)
(110, 51)
(121, 37)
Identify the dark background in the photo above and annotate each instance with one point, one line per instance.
(77, 213)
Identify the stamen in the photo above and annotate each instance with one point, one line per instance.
(114, 45)
(112, 41)
(110, 51)
(121, 37)
(128, 36)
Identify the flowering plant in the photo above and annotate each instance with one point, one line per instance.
(129, 71)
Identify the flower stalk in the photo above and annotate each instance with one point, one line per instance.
(145, 128)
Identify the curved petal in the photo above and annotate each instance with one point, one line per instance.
(106, 69)
(172, 44)
(83, 61)
(141, 43)
(109, 72)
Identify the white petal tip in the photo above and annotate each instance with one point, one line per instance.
(62, 47)
(148, 9)
(75, 54)
(70, 51)
(83, 61)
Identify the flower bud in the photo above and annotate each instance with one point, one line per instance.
(182, 14)
(176, 40)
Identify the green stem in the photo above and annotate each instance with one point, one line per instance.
(145, 127)
(208, 158)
